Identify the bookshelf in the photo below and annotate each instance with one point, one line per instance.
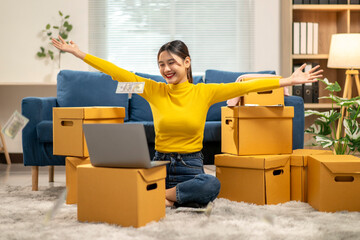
(332, 18)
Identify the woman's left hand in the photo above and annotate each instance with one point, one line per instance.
(300, 77)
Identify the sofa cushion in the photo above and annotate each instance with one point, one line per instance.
(44, 131)
(212, 132)
(216, 76)
(139, 108)
(82, 89)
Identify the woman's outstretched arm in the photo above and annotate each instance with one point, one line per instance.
(70, 48)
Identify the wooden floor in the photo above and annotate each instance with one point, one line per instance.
(19, 175)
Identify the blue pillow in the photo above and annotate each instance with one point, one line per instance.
(83, 89)
(139, 109)
(216, 76)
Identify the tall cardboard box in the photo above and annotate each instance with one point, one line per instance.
(334, 182)
(123, 196)
(298, 172)
(71, 164)
(254, 179)
(256, 130)
(264, 98)
(68, 135)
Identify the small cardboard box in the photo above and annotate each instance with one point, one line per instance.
(254, 179)
(71, 164)
(123, 196)
(264, 98)
(256, 130)
(334, 182)
(68, 135)
(298, 172)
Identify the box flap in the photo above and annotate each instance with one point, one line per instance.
(337, 164)
(297, 161)
(153, 174)
(75, 161)
(254, 162)
(258, 112)
(89, 112)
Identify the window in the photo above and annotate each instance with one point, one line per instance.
(129, 33)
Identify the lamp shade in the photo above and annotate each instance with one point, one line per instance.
(344, 51)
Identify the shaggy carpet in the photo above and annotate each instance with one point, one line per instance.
(23, 213)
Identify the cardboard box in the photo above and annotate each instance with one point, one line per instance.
(68, 136)
(298, 172)
(254, 179)
(256, 130)
(264, 98)
(334, 182)
(123, 196)
(71, 164)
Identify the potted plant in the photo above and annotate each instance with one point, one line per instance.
(346, 138)
(62, 29)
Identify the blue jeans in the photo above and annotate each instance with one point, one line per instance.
(186, 173)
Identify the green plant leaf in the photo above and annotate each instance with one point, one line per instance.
(49, 33)
(325, 141)
(47, 26)
(69, 28)
(55, 27)
(66, 24)
(60, 13)
(67, 16)
(332, 87)
(42, 49)
(63, 35)
(352, 129)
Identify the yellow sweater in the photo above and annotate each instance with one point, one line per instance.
(179, 111)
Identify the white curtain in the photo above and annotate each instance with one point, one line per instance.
(129, 33)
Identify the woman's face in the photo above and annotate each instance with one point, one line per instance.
(173, 68)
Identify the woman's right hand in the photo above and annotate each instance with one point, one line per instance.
(70, 48)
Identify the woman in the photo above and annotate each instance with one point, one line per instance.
(179, 110)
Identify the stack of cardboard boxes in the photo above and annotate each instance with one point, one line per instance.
(127, 197)
(258, 164)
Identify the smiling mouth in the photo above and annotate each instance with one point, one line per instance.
(168, 76)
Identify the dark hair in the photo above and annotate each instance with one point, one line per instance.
(178, 48)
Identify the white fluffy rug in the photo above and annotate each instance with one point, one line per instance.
(22, 216)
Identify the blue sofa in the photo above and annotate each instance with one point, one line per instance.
(78, 88)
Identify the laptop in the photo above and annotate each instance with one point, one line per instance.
(118, 145)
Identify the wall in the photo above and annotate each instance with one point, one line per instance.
(22, 20)
(267, 32)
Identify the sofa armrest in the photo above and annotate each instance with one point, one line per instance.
(298, 120)
(37, 109)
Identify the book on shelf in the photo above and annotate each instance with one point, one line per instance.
(297, 2)
(354, 1)
(315, 38)
(296, 38)
(303, 37)
(333, 1)
(314, 1)
(342, 1)
(306, 1)
(309, 37)
(323, 2)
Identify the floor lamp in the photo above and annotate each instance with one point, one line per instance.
(345, 53)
